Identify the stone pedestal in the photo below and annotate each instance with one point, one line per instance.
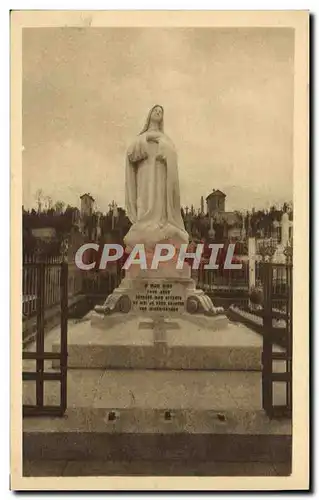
(166, 291)
(158, 296)
(139, 342)
(153, 302)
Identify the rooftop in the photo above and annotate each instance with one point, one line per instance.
(87, 194)
(216, 192)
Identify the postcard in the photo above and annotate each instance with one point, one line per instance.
(159, 251)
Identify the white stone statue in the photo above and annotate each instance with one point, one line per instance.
(285, 225)
(152, 187)
(153, 206)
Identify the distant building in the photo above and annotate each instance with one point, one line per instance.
(215, 202)
(231, 221)
(232, 224)
(44, 233)
(87, 204)
(87, 220)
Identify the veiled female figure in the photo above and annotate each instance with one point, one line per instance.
(152, 187)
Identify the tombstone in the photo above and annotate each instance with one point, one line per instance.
(285, 225)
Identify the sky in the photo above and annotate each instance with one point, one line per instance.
(228, 107)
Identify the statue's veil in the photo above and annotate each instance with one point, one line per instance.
(147, 123)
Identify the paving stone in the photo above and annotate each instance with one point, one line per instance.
(43, 468)
(175, 389)
(96, 468)
(283, 468)
(83, 388)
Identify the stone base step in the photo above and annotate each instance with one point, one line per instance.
(186, 345)
(162, 357)
(156, 389)
(111, 434)
(72, 468)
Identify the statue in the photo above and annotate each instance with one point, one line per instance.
(285, 224)
(152, 187)
(153, 206)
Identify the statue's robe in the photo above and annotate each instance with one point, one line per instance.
(152, 194)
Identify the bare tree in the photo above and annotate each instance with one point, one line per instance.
(59, 206)
(48, 202)
(39, 199)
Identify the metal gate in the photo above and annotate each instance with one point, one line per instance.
(49, 283)
(277, 323)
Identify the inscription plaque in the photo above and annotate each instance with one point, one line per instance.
(159, 298)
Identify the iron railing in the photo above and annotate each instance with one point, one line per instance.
(52, 279)
(277, 363)
(226, 280)
(40, 375)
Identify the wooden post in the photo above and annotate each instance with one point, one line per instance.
(267, 387)
(251, 265)
(252, 262)
(40, 334)
(64, 333)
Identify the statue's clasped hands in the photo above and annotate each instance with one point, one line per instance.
(161, 158)
(153, 137)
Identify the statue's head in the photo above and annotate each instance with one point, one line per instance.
(155, 115)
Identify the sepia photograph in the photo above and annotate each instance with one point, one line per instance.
(159, 205)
